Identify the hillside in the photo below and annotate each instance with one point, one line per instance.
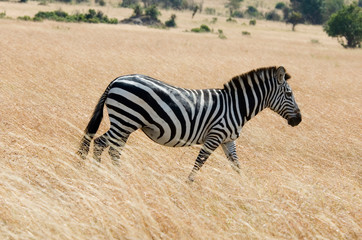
(295, 183)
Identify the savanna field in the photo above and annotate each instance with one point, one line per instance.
(295, 183)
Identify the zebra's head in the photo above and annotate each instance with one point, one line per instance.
(283, 101)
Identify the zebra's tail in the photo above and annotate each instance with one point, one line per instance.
(93, 125)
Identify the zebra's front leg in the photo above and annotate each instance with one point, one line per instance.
(230, 152)
(204, 154)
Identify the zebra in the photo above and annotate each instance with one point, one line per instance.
(179, 117)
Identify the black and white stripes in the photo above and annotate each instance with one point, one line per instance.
(180, 117)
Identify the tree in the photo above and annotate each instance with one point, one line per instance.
(329, 7)
(233, 5)
(346, 25)
(152, 12)
(294, 19)
(311, 10)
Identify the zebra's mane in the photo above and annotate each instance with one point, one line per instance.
(244, 77)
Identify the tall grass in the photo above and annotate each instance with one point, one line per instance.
(295, 183)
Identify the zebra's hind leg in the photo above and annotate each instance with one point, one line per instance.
(100, 144)
(84, 146)
(116, 146)
(205, 152)
(230, 152)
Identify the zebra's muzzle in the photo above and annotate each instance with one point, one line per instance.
(295, 120)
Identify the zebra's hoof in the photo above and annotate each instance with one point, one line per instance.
(81, 154)
(191, 178)
(116, 163)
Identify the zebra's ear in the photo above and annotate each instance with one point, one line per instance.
(280, 74)
(287, 76)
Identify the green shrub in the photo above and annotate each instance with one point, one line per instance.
(2, 14)
(137, 10)
(152, 12)
(214, 20)
(238, 14)
(171, 22)
(252, 22)
(57, 15)
(203, 28)
(245, 33)
(36, 19)
(129, 3)
(210, 11)
(65, 1)
(25, 18)
(230, 19)
(100, 2)
(252, 11)
(273, 16)
(280, 5)
(221, 34)
(92, 16)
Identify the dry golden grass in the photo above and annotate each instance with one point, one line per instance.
(295, 183)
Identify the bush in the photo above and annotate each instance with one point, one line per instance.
(128, 3)
(65, 1)
(245, 33)
(57, 15)
(346, 24)
(238, 14)
(221, 34)
(252, 11)
(230, 19)
(2, 14)
(210, 11)
(280, 5)
(91, 17)
(203, 28)
(137, 11)
(252, 22)
(152, 12)
(25, 18)
(272, 15)
(171, 22)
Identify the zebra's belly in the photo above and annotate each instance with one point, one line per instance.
(165, 139)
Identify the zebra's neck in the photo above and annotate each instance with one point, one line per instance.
(248, 94)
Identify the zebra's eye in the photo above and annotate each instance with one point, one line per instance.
(288, 93)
